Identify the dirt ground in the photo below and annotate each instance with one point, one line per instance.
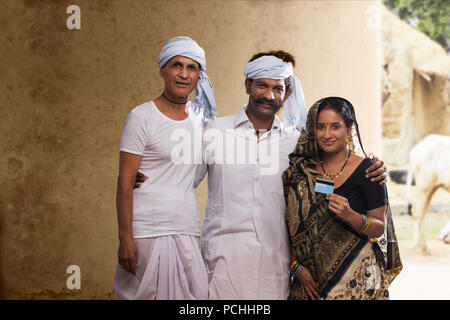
(424, 276)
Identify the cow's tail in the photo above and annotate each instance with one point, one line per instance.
(409, 179)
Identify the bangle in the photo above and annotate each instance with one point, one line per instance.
(365, 223)
(299, 267)
(294, 270)
(367, 226)
(291, 274)
(293, 265)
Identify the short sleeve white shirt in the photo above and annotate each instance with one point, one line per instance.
(165, 203)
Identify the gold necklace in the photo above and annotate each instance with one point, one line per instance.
(337, 175)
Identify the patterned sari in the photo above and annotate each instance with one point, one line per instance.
(335, 253)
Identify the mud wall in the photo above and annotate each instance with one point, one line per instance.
(416, 86)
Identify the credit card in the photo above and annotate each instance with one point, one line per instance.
(324, 186)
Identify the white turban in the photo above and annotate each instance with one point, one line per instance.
(271, 67)
(204, 93)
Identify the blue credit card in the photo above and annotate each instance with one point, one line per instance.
(324, 186)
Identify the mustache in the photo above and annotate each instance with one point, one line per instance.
(271, 103)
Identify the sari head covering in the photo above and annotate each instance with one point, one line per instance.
(204, 101)
(322, 241)
(271, 67)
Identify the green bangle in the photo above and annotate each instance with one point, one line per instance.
(298, 270)
(364, 225)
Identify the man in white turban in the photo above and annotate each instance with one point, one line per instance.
(159, 224)
(245, 243)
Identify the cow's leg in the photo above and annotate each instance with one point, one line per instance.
(418, 215)
(422, 205)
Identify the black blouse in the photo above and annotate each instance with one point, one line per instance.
(361, 193)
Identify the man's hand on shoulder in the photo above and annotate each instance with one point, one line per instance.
(378, 171)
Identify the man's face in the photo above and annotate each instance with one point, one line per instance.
(266, 96)
(180, 76)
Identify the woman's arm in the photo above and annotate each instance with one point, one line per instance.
(128, 166)
(373, 227)
(377, 219)
(307, 283)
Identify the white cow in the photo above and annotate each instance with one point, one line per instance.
(445, 233)
(429, 161)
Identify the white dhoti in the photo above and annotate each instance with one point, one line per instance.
(169, 267)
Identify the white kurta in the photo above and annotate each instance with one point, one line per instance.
(245, 241)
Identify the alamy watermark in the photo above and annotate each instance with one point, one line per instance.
(73, 22)
(373, 274)
(74, 280)
(373, 13)
(230, 146)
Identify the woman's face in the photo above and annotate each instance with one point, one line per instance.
(331, 131)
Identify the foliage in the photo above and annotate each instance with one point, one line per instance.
(432, 17)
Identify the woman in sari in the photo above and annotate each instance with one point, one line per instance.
(343, 243)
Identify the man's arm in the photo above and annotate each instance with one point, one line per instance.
(377, 172)
(128, 165)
